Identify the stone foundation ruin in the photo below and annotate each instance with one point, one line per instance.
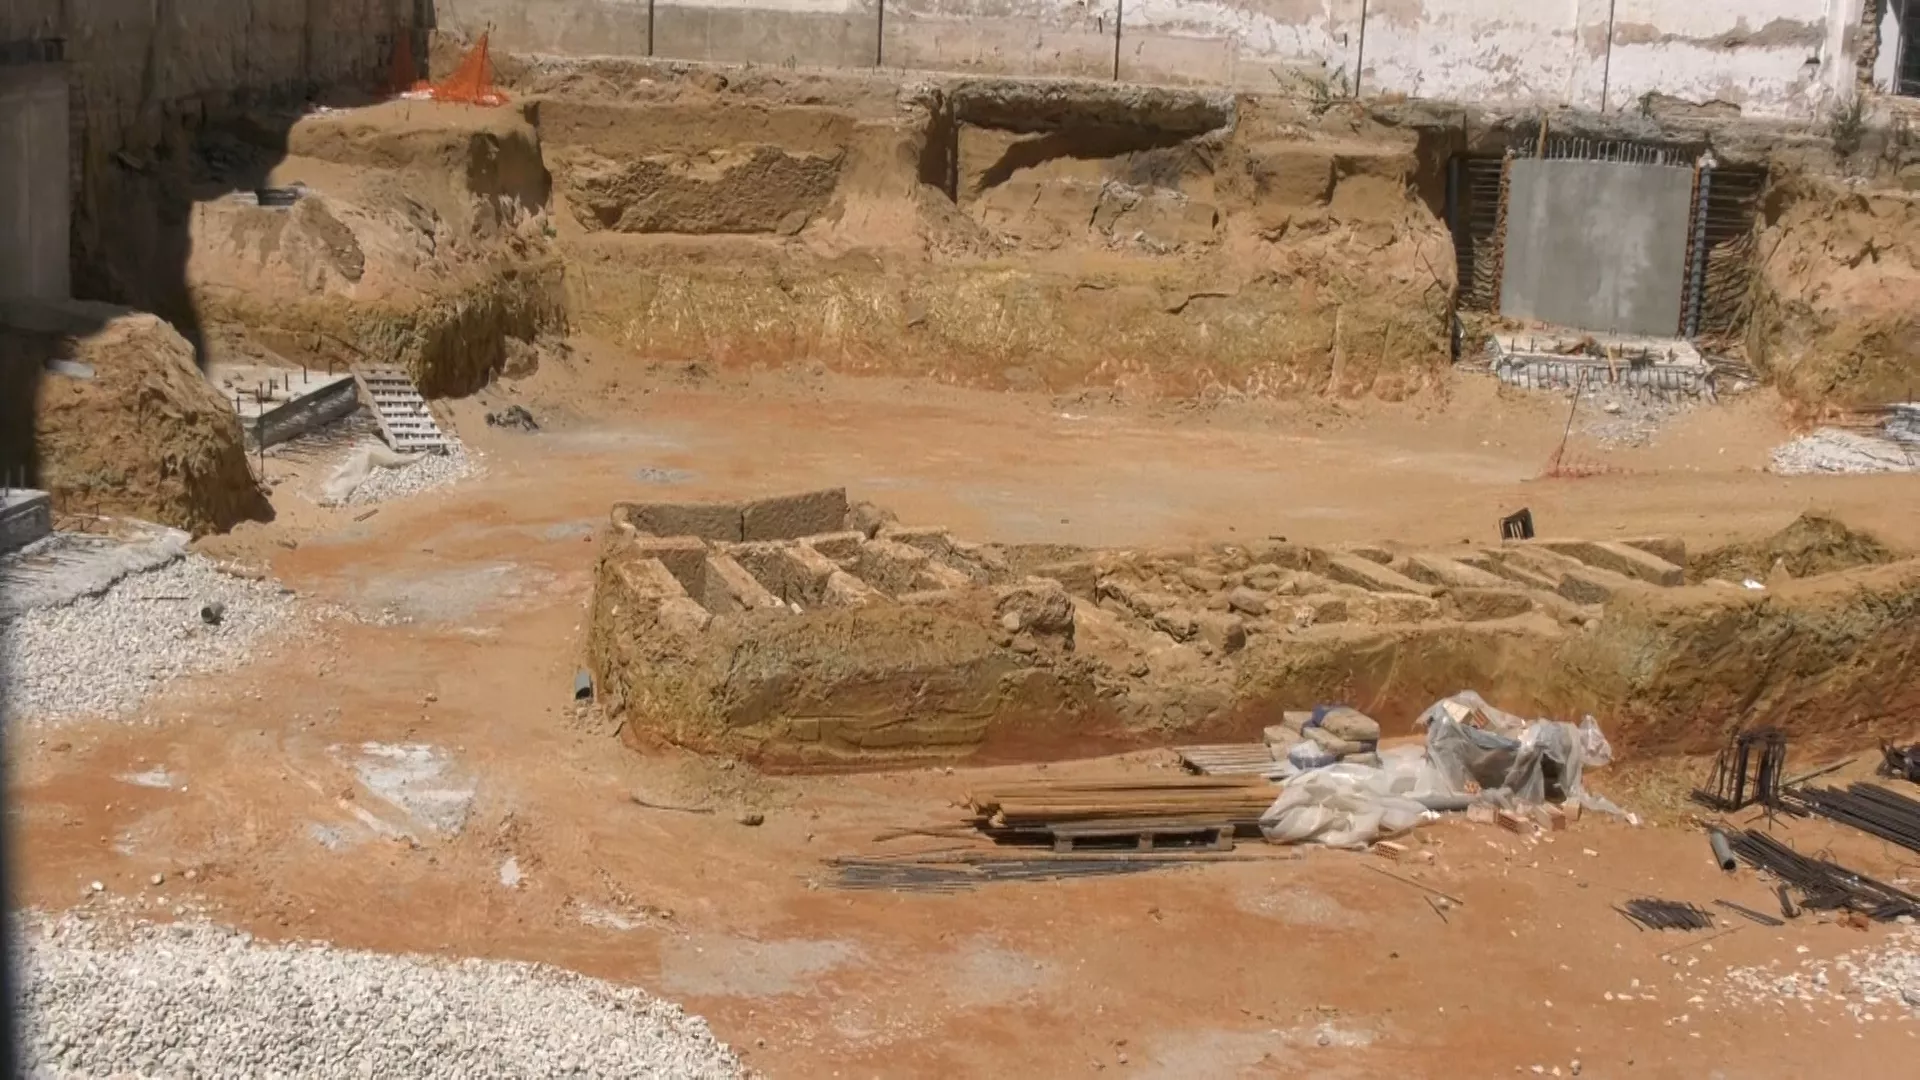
(810, 631)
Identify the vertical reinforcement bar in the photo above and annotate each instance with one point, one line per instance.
(1119, 16)
(1697, 279)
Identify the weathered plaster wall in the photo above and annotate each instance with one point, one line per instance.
(1768, 57)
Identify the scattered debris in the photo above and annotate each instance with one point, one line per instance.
(649, 805)
(1755, 916)
(1428, 889)
(902, 876)
(1833, 451)
(1517, 525)
(1900, 762)
(1652, 914)
(513, 416)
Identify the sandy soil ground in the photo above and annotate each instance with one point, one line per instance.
(508, 828)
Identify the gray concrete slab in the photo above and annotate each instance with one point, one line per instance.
(277, 404)
(34, 182)
(26, 515)
(1597, 245)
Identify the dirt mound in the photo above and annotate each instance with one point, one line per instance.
(128, 426)
(1815, 543)
(1837, 324)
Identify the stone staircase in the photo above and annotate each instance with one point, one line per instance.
(404, 419)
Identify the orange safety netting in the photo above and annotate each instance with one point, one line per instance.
(471, 83)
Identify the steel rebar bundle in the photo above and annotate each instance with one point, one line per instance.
(1822, 885)
(1654, 914)
(1868, 807)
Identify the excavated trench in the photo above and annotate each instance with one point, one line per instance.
(807, 632)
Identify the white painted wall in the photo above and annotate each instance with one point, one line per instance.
(1790, 58)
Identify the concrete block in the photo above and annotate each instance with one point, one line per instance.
(793, 572)
(890, 567)
(1371, 576)
(1485, 605)
(841, 547)
(1078, 576)
(1370, 552)
(934, 540)
(844, 590)
(1671, 548)
(1446, 573)
(1516, 572)
(790, 517)
(25, 516)
(708, 521)
(938, 575)
(648, 580)
(1621, 559)
(1573, 579)
(684, 557)
(731, 588)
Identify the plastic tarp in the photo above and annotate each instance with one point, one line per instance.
(359, 465)
(1349, 805)
(1508, 762)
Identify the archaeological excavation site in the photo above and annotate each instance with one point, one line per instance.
(669, 538)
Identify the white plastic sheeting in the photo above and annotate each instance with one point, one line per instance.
(354, 471)
(1472, 749)
(1348, 805)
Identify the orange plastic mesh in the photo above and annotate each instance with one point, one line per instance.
(471, 83)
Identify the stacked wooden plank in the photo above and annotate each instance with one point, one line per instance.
(1228, 759)
(1042, 805)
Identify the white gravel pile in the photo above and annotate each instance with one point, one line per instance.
(1831, 450)
(1876, 983)
(104, 654)
(429, 472)
(195, 1000)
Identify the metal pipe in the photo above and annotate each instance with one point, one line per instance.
(1606, 71)
(1722, 851)
(1360, 58)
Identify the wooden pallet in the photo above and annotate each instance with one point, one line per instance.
(1228, 759)
(1146, 835)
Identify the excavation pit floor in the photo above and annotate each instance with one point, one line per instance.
(1287, 963)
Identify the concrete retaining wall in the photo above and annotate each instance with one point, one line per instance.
(33, 182)
(1768, 57)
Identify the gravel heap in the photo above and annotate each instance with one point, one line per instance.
(1875, 983)
(104, 654)
(1831, 450)
(430, 472)
(191, 999)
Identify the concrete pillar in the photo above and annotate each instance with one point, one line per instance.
(34, 197)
